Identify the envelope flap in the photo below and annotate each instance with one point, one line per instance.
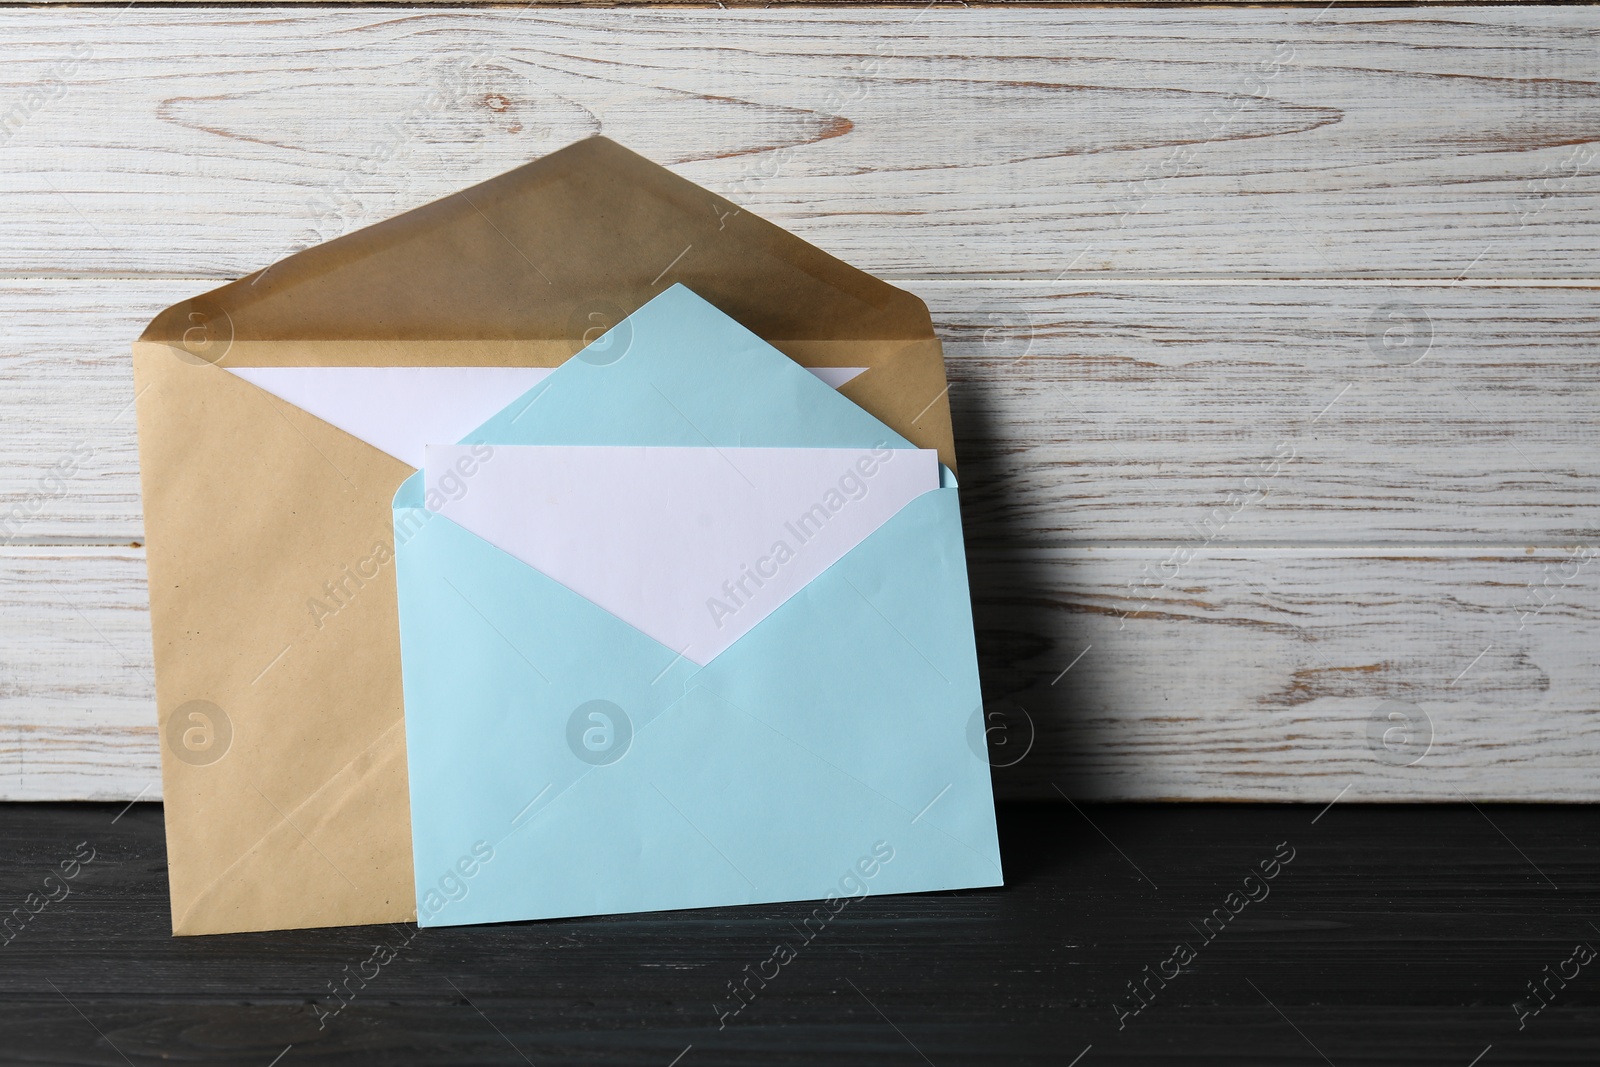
(544, 252)
(680, 371)
(528, 267)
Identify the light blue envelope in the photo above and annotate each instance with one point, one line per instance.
(564, 763)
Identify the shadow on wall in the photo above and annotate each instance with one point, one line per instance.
(1038, 720)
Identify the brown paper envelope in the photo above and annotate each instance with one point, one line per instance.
(283, 758)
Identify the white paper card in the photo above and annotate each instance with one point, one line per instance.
(398, 409)
(693, 546)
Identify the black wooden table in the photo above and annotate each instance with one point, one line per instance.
(1182, 934)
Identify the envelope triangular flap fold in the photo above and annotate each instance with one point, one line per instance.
(528, 253)
(680, 371)
(526, 267)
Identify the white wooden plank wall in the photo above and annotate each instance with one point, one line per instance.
(1272, 335)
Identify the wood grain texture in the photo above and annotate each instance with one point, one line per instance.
(1363, 142)
(1273, 414)
(1394, 935)
(77, 707)
(1085, 414)
(1181, 261)
(1248, 673)
(1258, 673)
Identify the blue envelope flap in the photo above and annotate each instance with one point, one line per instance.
(680, 372)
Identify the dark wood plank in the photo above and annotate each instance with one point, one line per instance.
(1393, 935)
